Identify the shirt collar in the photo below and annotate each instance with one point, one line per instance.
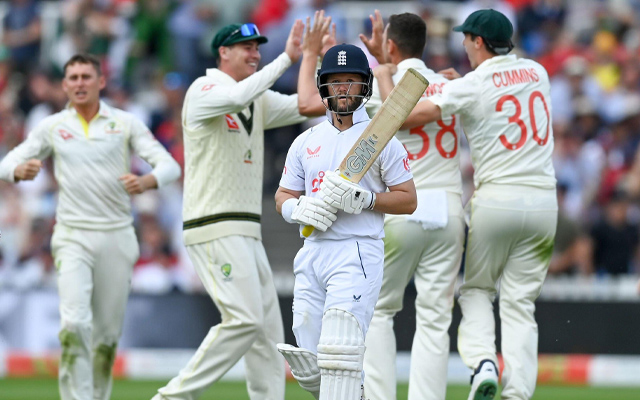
(359, 115)
(218, 74)
(497, 60)
(103, 111)
(415, 63)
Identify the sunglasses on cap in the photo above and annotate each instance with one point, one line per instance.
(245, 30)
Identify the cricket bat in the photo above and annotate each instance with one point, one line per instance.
(384, 125)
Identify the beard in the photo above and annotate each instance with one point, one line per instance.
(347, 107)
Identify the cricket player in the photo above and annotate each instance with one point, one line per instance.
(94, 244)
(505, 110)
(224, 117)
(338, 272)
(426, 245)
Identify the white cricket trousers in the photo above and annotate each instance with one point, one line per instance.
(432, 258)
(94, 276)
(511, 234)
(236, 273)
(342, 274)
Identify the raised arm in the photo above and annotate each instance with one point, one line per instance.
(23, 162)
(316, 36)
(374, 44)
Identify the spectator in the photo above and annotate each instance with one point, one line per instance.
(22, 30)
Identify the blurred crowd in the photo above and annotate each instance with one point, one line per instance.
(153, 49)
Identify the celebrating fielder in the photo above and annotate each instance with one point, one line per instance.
(224, 117)
(338, 272)
(426, 245)
(505, 110)
(94, 244)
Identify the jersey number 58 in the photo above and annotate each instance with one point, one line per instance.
(515, 118)
(444, 129)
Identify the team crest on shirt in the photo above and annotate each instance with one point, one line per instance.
(247, 157)
(65, 135)
(356, 299)
(226, 271)
(231, 123)
(112, 128)
(313, 153)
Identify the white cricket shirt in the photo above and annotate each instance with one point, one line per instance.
(322, 148)
(89, 158)
(223, 125)
(505, 108)
(434, 153)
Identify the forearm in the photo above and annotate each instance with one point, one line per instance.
(282, 196)
(396, 202)
(309, 100)
(149, 181)
(423, 113)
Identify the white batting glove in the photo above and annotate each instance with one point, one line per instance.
(345, 195)
(309, 211)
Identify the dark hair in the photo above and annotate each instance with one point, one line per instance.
(84, 58)
(409, 32)
(494, 47)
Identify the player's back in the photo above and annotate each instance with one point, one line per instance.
(510, 130)
(433, 148)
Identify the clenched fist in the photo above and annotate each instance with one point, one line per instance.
(27, 171)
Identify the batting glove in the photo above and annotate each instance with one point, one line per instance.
(309, 211)
(345, 195)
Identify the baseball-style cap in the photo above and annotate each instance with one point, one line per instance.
(236, 33)
(488, 24)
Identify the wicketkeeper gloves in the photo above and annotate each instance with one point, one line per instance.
(345, 195)
(309, 211)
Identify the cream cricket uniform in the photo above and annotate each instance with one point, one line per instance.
(342, 267)
(223, 123)
(93, 244)
(426, 246)
(506, 113)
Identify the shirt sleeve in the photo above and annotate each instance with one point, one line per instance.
(145, 145)
(206, 100)
(457, 96)
(37, 145)
(281, 110)
(293, 172)
(394, 164)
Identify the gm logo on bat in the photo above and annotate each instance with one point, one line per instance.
(361, 155)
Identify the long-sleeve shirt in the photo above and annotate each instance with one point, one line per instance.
(223, 124)
(89, 158)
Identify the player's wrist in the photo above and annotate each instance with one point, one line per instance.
(287, 209)
(372, 201)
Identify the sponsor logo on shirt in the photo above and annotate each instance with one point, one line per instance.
(112, 128)
(313, 153)
(65, 135)
(315, 184)
(231, 123)
(356, 299)
(407, 167)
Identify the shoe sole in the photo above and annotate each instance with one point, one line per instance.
(486, 390)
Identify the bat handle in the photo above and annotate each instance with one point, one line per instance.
(307, 230)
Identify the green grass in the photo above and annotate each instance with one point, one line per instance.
(46, 389)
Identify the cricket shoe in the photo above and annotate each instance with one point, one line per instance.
(484, 381)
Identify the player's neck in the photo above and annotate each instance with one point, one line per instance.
(342, 122)
(87, 111)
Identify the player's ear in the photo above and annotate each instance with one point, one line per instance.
(391, 46)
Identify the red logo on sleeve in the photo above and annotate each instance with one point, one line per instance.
(405, 161)
(207, 87)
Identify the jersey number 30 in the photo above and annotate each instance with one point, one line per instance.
(515, 118)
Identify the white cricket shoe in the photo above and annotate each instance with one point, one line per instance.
(484, 381)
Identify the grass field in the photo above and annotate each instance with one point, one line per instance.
(46, 389)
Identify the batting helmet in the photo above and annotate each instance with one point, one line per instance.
(345, 58)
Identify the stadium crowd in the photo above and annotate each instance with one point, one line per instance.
(152, 50)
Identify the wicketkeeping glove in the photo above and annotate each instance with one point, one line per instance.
(345, 195)
(309, 211)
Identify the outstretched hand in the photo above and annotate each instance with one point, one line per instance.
(329, 40)
(293, 47)
(312, 42)
(374, 44)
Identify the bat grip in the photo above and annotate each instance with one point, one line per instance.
(307, 230)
